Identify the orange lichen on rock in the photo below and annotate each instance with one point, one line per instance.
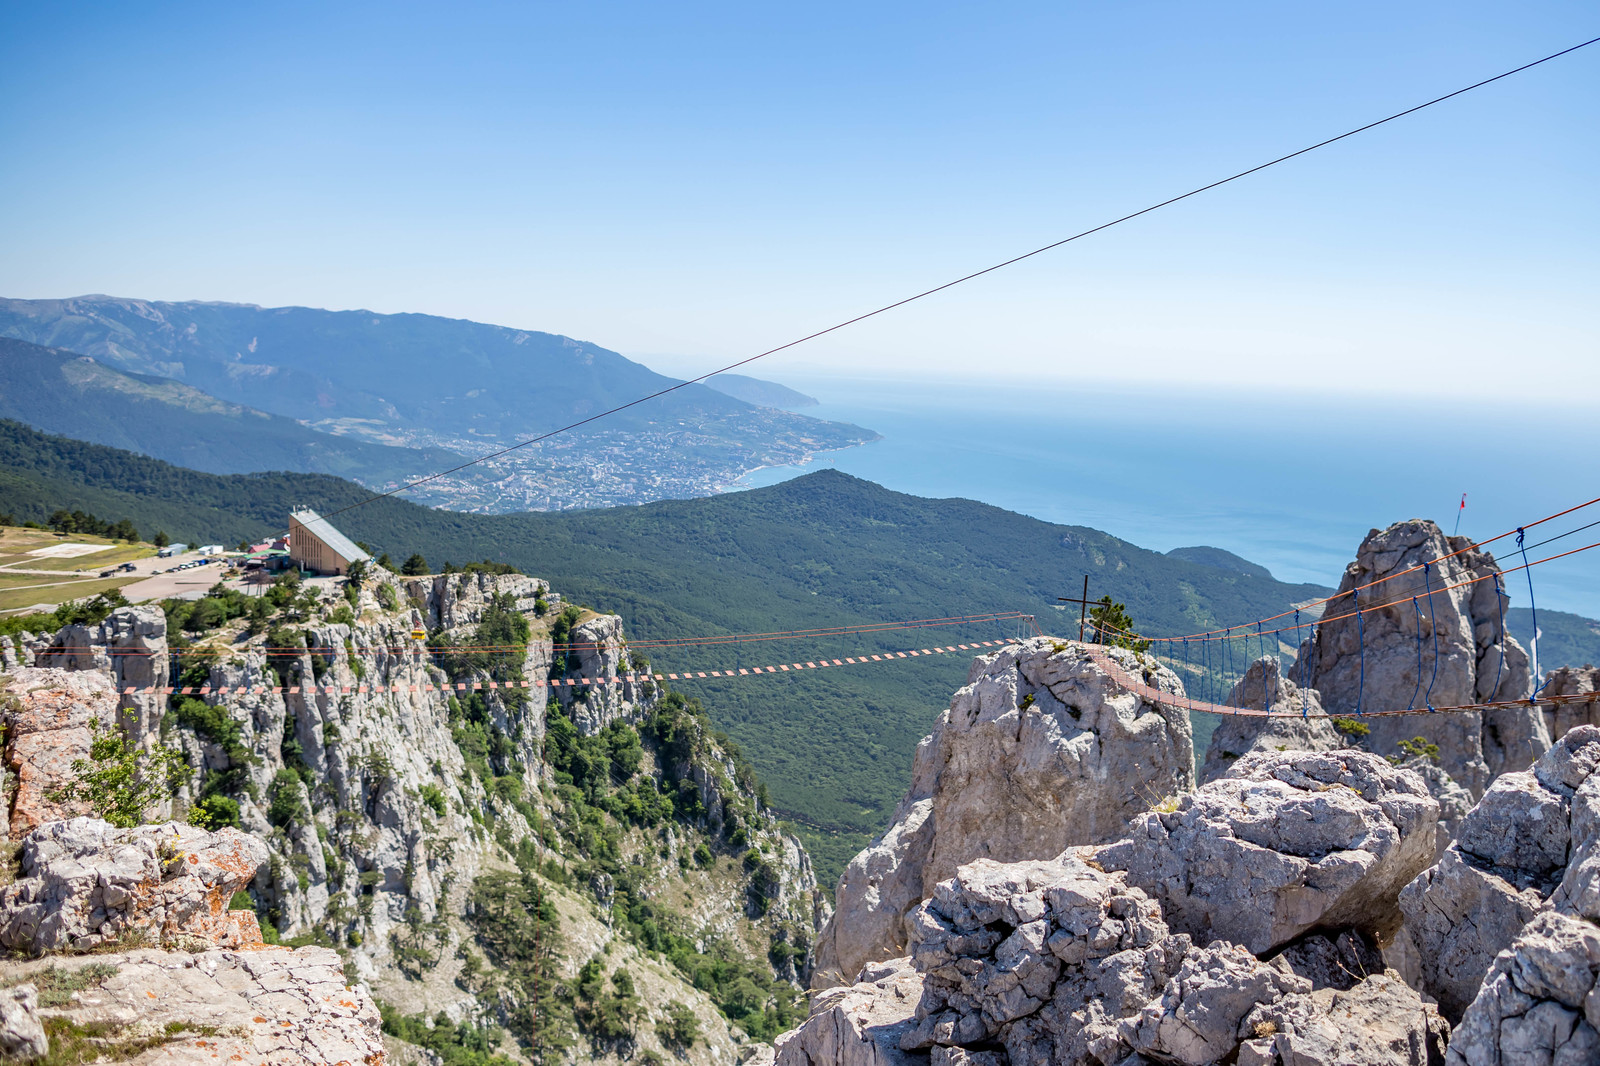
(46, 715)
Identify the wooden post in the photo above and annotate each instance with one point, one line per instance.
(1083, 608)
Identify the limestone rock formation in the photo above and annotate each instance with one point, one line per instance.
(85, 883)
(1044, 957)
(1559, 718)
(130, 647)
(1378, 1021)
(1465, 654)
(22, 1034)
(268, 1005)
(1040, 750)
(46, 713)
(1060, 962)
(1200, 1016)
(1263, 687)
(1454, 801)
(1540, 1003)
(1511, 854)
(860, 1024)
(1287, 842)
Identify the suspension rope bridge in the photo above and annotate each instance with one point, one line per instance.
(1214, 667)
(1213, 655)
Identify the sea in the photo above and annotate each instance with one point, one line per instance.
(1292, 481)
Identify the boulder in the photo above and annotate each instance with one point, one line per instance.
(1040, 750)
(1200, 1017)
(1510, 856)
(860, 1024)
(86, 883)
(1287, 842)
(22, 1034)
(1466, 655)
(1045, 958)
(1378, 1021)
(1559, 718)
(1540, 1003)
(47, 713)
(1263, 687)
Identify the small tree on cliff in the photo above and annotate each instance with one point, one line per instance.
(118, 781)
(1110, 623)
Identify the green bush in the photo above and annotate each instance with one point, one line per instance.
(455, 1044)
(215, 812)
(118, 781)
(680, 1028)
(434, 797)
(285, 805)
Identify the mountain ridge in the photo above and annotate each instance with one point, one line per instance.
(64, 392)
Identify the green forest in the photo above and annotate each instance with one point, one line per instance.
(827, 549)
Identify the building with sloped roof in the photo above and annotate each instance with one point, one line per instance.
(315, 545)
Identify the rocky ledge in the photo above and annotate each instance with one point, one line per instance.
(205, 989)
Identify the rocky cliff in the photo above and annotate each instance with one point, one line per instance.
(425, 808)
(1041, 749)
(1437, 639)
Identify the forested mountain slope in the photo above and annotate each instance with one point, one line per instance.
(822, 550)
(74, 395)
(400, 371)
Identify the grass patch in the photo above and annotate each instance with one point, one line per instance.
(56, 985)
(72, 1043)
(14, 599)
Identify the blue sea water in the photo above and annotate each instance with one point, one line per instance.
(1290, 481)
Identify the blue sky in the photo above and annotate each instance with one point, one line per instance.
(689, 184)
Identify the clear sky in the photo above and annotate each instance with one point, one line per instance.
(692, 183)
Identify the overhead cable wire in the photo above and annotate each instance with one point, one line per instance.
(965, 278)
(1475, 545)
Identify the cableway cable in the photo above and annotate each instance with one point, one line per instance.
(965, 278)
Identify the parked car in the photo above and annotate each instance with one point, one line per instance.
(108, 573)
(129, 567)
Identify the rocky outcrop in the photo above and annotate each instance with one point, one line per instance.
(598, 651)
(129, 647)
(1040, 750)
(86, 883)
(1466, 655)
(1510, 856)
(269, 1005)
(22, 1034)
(859, 1024)
(451, 601)
(1201, 1014)
(1560, 718)
(1045, 958)
(1304, 728)
(1378, 1021)
(47, 714)
(1540, 1000)
(1287, 842)
(1455, 802)
(1540, 1003)
(1059, 962)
